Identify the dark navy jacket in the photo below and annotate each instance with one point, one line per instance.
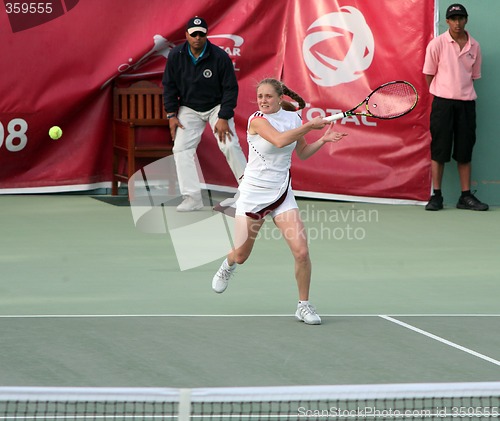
(210, 82)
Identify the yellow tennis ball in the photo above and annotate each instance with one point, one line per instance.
(55, 132)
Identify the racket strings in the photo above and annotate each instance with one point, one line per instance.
(392, 100)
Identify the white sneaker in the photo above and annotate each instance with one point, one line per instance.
(221, 278)
(307, 313)
(190, 204)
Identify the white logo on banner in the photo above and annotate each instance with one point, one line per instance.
(326, 70)
(234, 50)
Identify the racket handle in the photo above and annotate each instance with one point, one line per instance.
(334, 117)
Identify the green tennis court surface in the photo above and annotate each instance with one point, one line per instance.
(405, 295)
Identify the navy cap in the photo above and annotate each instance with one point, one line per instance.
(196, 24)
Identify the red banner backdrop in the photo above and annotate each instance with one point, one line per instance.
(62, 58)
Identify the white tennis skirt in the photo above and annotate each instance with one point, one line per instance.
(257, 202)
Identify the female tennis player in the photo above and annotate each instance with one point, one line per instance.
(273, 134)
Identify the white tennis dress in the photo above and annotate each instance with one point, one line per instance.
(267, 174)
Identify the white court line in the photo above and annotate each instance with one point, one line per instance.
(442, 340)
(83, 316)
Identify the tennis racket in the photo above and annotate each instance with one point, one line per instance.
(388, 101)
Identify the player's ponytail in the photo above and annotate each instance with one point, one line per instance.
(294, 95)
(281, 89)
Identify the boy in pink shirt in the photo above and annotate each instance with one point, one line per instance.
(452, 63)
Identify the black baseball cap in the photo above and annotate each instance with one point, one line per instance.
(456, 10)
(196, 24)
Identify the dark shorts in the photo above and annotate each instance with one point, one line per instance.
(453, 128)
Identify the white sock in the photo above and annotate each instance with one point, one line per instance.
(303, 303)
(227, 265)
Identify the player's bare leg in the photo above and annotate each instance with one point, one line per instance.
(292, 228)
(246, 231)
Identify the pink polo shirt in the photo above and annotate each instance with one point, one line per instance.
(453, 70)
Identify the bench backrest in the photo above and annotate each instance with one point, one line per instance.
(140, 101)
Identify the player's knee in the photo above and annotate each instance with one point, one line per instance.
(240, 257)
(301, 255)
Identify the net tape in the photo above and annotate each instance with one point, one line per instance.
(397, 401)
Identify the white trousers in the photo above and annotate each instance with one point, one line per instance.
(188, 139)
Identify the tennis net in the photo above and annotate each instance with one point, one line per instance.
(435, 401)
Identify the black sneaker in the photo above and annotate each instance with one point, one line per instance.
(435, 203)
(471, 202)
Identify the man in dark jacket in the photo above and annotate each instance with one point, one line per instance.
(200, 87)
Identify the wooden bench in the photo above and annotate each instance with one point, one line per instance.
(140, 129)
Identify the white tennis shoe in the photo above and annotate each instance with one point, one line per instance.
(190, 204)
(221, 278)
(307, 313)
